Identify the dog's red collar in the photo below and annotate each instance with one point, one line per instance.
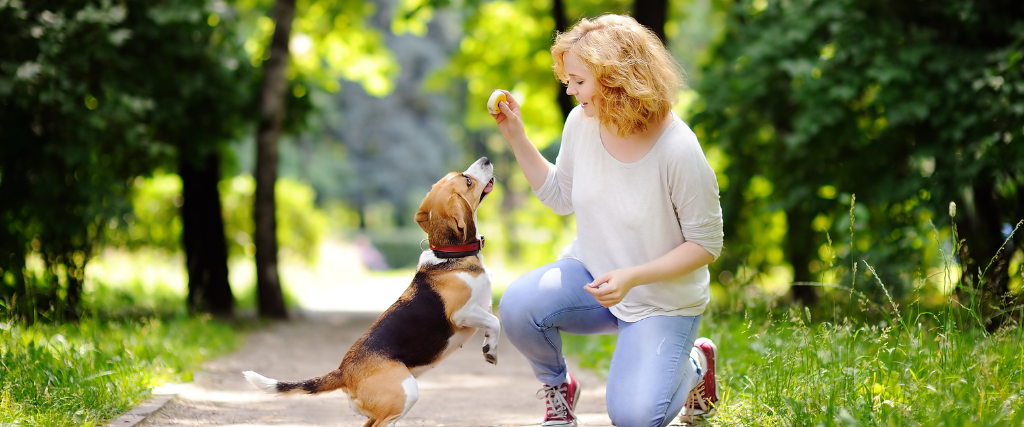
(459, 251)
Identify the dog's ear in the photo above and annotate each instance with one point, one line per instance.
(423, 215)
(459, 212)
(422, 218)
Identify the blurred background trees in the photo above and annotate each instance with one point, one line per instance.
(95, 94)
(131, 126)
(907, 105)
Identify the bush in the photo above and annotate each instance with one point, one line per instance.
(301, 225)
(400, 247)
(155, 221)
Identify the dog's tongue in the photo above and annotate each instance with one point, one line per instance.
(489, 187)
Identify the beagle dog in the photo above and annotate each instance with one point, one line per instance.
(448, 300)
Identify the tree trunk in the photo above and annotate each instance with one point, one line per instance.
(273, 90)
(799, 250)
(652, 14)
(361, 210)
(983, 233)
(565, 102)
(202, 236)
(982, 237)
(75, 277)
(1018, 236)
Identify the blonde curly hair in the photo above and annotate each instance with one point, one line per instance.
(637, 77)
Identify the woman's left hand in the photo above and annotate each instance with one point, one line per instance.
(612, 287)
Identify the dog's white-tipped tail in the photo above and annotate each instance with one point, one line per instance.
(268, 385)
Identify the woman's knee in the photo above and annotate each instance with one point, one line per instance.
(540, 291)
(514, 301)
(637, 414)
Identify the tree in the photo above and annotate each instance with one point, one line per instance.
(652, 14)
(205, 98)
(331, 42)
(92, 96)
(57, 120)
(272, 110)
(904, 104)
(565, 101)
(206, 257)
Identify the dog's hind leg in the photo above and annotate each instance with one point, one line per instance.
(385, 423)
(387, 395)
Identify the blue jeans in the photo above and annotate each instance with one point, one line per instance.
(651, 372)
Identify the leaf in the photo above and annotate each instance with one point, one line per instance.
(119, 36)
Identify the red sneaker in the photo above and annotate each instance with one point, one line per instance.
(560, 402)
(704, 397)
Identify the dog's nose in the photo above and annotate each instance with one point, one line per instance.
(485, 161)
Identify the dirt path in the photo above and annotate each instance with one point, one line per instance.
(462, 391)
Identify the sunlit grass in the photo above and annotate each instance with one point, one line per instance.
(776, 367)
(134, 335)
(87, 373)
(788, 371)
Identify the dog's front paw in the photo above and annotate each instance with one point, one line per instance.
(491, 358)
(490, 355)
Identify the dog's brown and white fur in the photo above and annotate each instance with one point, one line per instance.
(448, 300)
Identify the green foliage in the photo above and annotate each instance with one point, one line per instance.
(534, 234)
(488, 59)
(907, 105)
(84, 374)
(155, 222)
(301, 225)
(330, 40)
(93, 94)
(400, 247)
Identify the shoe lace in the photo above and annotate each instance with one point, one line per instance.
(694, 402)
(554, 398)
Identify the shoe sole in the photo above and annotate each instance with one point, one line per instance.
(701, 420)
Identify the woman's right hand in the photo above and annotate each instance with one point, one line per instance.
(510, 123)
(509, 119)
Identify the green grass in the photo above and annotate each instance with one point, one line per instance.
(778, 368)
(88, 373)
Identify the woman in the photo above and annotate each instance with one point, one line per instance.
(648, 224)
